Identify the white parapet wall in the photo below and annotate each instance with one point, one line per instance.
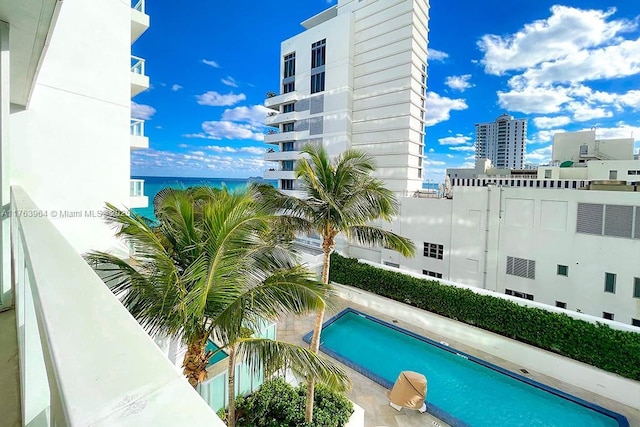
(572, 372)
(357, 418)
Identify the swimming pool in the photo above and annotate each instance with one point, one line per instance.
(462, 390)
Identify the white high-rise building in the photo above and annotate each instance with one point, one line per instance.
(355, 78)
(503, 141)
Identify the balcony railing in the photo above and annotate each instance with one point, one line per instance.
(137, 65)
(138, 5)
(136, 188)
(83, 359)
(137, 127)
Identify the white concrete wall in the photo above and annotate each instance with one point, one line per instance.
(70, 148)
(482, 226)
(566, 146)
(562, 368)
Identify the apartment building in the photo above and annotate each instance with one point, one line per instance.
(503, 141)
(354, 78)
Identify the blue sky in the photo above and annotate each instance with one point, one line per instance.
(564, 66)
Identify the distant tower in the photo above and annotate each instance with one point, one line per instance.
(503, 141)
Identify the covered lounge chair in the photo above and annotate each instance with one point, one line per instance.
(409, 391)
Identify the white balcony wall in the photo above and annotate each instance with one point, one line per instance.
(71, 148)
(139, 19)
(138, 138)
(84, 360)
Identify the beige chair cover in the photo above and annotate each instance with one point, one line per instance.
(409, 391)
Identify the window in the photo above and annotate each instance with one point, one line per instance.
(317, 82)
(635, 322)
(318, 50)
(433, 250)
(636, 287)
(634, 172)
(289, 65)
(613, 174)
(608, 316)
(286, 184)
(563, 270)
(610, 283)
(432, 274)
(287, 165)
(521, 267)
(561, 304)
(518, 294)
(288, 87)
(391, 264)
(288, 108)
(287, 127)
(547, 173)
(287, 146)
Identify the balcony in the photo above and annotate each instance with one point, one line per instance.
(138, 139)
(278, 137)
(137, 198)
(279, 174)
(276, 101)
(279, 118)
(139, 81)
(139, 19)
(281, 155)
(83, 359)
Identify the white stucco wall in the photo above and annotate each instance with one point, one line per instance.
(482, 226)
(70, 149)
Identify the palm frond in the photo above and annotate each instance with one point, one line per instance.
(269, 356)
(370, 236)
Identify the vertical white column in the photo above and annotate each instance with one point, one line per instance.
(6, 297)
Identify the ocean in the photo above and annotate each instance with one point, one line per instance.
(153, 184)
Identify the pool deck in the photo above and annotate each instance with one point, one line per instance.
(372, 397)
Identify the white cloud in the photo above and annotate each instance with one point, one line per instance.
(142, 111)
(631, 99)
(227, 149)
(436, 55)
(228, 130)
(583, 111)
(197, 161)
(254, 114)
(551, 122)
(438, 108)
(468, 148)
(544, 136)
(229, 81)
(567, 31)
(539, 155)
(451, 156)
(216, 99)
(454, 140)
(620, 131)
(542, 100)
(210, 63)
(430, 162)
(460, 83)
(176, 87)
(431, 150)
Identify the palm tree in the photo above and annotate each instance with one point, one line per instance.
(213, 267)
(341, 198)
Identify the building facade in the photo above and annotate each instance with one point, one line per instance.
(503, 141)
(355, 78)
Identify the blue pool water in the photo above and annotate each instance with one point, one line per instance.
(220, 355)
(461, 389)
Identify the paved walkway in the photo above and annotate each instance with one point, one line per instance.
(372, 397)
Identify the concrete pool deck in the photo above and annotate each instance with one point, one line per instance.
(372, 397)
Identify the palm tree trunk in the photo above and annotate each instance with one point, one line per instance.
(327, 246)
(195, 361)
(231, 417)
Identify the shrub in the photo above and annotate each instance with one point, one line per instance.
(278, 404)
(596, 344)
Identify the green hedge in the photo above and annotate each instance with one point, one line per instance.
(278, 404)
(596, 344)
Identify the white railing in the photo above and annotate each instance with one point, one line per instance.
(137, 65)
(137, 127)
(136, 188)
(83, 359)
(139, 6)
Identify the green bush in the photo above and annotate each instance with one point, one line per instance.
(596, 344)
(278, 404)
